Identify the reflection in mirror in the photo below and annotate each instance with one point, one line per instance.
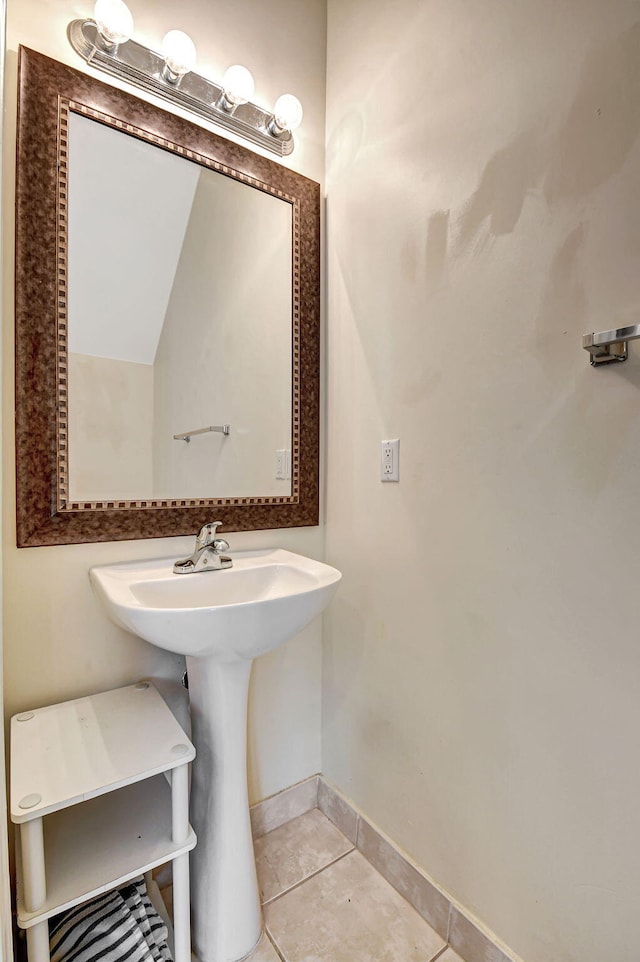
(180, 317)
(235, 318)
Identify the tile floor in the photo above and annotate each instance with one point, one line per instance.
(323, 902)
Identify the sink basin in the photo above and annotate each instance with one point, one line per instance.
(221, 621)
(239, 612)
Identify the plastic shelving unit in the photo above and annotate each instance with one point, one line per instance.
(100, 792)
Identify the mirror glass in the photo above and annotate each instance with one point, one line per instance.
(180, 319)
(167, 282)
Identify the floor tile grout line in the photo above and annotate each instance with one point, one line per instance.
(274, 945)
(440, 953)
(452, 908)
(308, 877)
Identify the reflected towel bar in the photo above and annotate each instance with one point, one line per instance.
(610, 346)
(220, 428)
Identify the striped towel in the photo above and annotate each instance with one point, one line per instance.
(112, 927)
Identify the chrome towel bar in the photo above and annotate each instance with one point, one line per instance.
(220, 428)
(610, 346)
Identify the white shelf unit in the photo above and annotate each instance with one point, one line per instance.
(93, 807)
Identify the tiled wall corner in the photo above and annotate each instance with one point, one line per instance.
(465, 936)
(470, 942)
(338, 810)
(281, 808)
(416, 888)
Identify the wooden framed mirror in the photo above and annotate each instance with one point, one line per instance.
(167, 282)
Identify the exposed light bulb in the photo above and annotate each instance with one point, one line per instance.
(238, 85)
(113, 20)
(179, 53)
(287, 113)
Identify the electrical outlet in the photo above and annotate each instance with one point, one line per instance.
(389, 460)
(283, 464)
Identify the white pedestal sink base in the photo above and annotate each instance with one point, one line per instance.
(221, 621)
(226, 914)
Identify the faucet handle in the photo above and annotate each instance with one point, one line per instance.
(207, 535)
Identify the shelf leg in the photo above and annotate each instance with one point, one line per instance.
(33, 874)
(181, 909)
(38, 942)
(180, 804)
(34, 884)
(180, 833)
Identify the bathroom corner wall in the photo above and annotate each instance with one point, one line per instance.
(58, 644)
(481, 662)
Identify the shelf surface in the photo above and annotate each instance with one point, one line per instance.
(103, 844)
(67, 753)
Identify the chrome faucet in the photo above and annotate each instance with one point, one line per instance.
(207, 555)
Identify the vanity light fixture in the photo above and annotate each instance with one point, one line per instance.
(179, 52)
(114, 22)
(105, 43)
(237, 88)
(287, 114)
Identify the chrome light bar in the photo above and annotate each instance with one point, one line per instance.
(144, 68)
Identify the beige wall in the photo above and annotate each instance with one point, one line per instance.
(58, 644)
(482, 658)
(224, 355)
(110, 429)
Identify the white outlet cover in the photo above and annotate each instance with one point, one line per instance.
(283, 464)
(390, 460)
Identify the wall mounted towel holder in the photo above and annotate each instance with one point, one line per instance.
(608, 347)
(220, 428)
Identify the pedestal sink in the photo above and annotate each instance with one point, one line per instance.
(221, 620)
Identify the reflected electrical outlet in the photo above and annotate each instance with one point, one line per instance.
(283, 464)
